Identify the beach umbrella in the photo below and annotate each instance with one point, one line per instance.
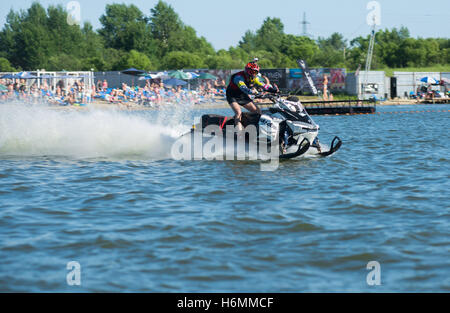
(10, 76)
(428, 80)
(192, 75)
(133, 72)
(162, 75)
(207, 76)
(144, 76)
(46, 76)
(179, 75)
(174, 82)
(25, 75)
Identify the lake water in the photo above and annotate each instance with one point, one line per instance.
(100, 188)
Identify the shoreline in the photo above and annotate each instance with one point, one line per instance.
(218, 104)
(222, 104)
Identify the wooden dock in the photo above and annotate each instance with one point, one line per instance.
(340, 107)
(435, 101)
(341, 110)
(337, 107)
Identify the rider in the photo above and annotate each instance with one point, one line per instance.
(241, 92)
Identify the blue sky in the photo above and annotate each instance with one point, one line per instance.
(224, 22)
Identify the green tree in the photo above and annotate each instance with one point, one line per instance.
(63, 62)
(331, 51)
(299, 47)
(264, 59)
(137, 60)
(180, 59)
(248, 41)
(5, 66)
(186, 40)
(388, 45)
(223, 60)
(63, 38)
(8, 35)
(444, 48)
(171, 35)
(113, 59)
(32, 44)
(125, 28)
(36, 39)
(270, 35)
(96, 63)
(357, 54)
(164, 23)
(91, 42)
(335, 41)
(240, 55)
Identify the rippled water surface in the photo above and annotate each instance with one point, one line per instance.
(100, 188)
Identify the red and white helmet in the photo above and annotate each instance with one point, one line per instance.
(252, 69)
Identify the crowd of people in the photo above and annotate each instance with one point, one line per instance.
(34, 93)
(154, 94)
(427, 92)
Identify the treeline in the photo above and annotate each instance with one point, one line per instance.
(39, 38)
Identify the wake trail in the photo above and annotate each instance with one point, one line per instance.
(43, 131)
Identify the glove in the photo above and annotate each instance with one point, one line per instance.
(274, 89)
(252, 97)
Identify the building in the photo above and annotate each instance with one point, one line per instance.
(405, 83)
(376, 85)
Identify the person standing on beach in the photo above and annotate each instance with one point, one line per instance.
(241, 92)
(105, 85)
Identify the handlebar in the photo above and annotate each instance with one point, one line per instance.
(270, 96)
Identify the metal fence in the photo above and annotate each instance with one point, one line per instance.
(293, 80)
(285, 78)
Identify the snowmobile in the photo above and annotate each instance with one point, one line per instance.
(286, 125)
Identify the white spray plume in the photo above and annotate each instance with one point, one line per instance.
(43, 131)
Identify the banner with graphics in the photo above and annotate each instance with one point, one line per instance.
(276, 76)
(295, 73)
(307, 75)
(337, 78)
(298, 81)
